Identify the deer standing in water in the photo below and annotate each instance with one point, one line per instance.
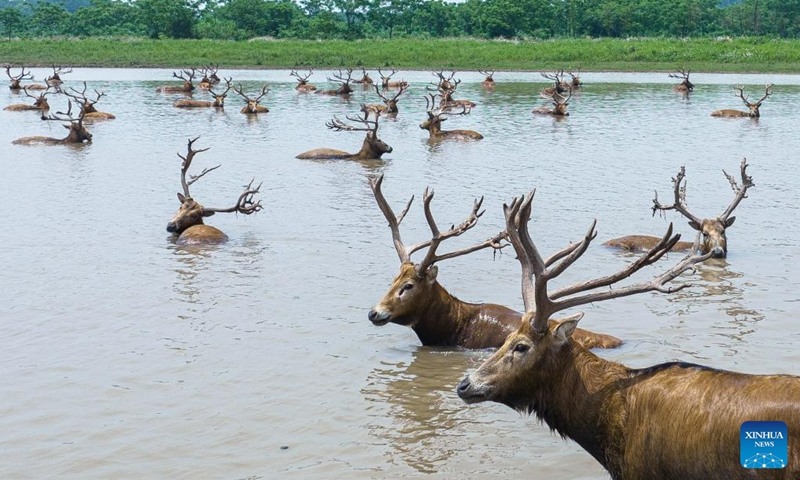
(209, 81)
(344, 88)
(711, 237)
(302, 81)
(16, 80)
(87, 105)
(77, 132)
(39, 103)
(559, 84)
(372, 148)
(752, 107)
(560, 103)
(54, 80)
(386, 82)
(488, 83)
(188, 87)
(188, 224)
(365, 79)
(417, 300)
(437, 115)
(253, 105)
(389, 104)
(670, 421)
(218, 102)
(685, 86)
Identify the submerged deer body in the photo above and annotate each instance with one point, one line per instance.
(372, 148)
(753, 108)
(344, 79)
(218, 102)
(77, 132)
(39, 103)
(253, 105)
(188, 87)
(685, 86)
(187, 224)
(669, 421)
(437, 115)
(710, 231)
(560, 104)
(417, 300)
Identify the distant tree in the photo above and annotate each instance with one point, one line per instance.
(256, 18)
(167, 18)
(11, 21)
(49, 19)
(107, 17)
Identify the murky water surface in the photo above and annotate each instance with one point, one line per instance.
(125, 356)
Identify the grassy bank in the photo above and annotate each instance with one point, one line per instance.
(735, 55)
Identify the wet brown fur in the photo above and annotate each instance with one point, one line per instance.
(372, 149)
(77, 135)
(188, 224)
(434, 127)
(668, 421)
(712, 235)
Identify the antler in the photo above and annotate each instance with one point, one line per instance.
(682, 74)
(386, 77)
(227, 88)
(264, 91)
(58, 70)
(245, 204)
(21, 76)
(339, 77)
(81, 97)
(536, 273)
(741, 192)
(680, 199)
(369, 125)
(438, 237)
(187, 162)
(557, 77)
(767, 93)
(299, 77)
(191, 74)
(488, 73)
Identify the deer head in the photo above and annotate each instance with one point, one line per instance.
(365, 78)
(373, 147)
(391, 103)
(77, 132)
(301, 79)
(560, 102)
(385, 79)
(86, 104)
(576, 78)
(253, 104)
(344, 78)
(213, 78)
(55, 78)
(532, 357)
(754, 106)
(219, 98)
(438, 112)
(711, 231)
(187, 76)
(16, 79)
(683, 75)
(557, 78)
(191, 212)
(39, 101)
(488, 74)
(412, 289)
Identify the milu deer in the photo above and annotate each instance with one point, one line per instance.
(87, 105)
(187, 76)
(685, 86)
(77, 132)
(752, 107)
(210, 78)
(711, 232)
(559, 84)
(187, 224)
(576, 81)
(386, 80)
(372, 148)
(446, 86)
(343, 78)
(16, 80)
(389, 104)
(560, 104)
(218, 102)
(302, 81)
(39, 102)
(417, 300)
(55, 80)
(670, 421)
(365, 79)
(488, 83)
(437, 115)
(252, 105)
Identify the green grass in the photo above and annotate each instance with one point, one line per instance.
(709, 55)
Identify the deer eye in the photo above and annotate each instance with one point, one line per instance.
(522, 347)
(405, 288)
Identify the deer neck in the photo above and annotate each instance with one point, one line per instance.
(443, 318)
(367, 150)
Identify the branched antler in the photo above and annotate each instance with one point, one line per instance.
(741, 192)
(187, 162)
(680, 199)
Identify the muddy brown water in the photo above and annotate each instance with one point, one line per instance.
(125, 356)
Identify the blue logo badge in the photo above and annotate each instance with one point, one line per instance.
(763, 445)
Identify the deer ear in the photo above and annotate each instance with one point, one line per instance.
(729, 222)
(66, 126)
(431, 274)
(566, 326)
(181, 198)
(208, 213)
(694, 225)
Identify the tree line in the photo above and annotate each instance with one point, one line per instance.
(353, 19)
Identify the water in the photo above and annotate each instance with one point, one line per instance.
(125, 355)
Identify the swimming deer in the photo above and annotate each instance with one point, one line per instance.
(209, 81)
(187, 76)
(302, 81)
(560, 103)
(576, 81)
(685, 86)
(753, 107)
(372, 148)
(387, 83)
(365, 79)
(187, 224)
(446, 86)
(77, 132)
(675, 420)
(252, 105)
(437, 115)
(87, 105)
(488, 83)
(345, 88)
(390, 104)
(711, 236)
(417, 300)
(218, 102)
(16, 80)
(39, 102)
(559, 84)
(54, 80)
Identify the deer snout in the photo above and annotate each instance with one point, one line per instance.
(718, 252)
(378, 318)
(172, 227)
(471, 393)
